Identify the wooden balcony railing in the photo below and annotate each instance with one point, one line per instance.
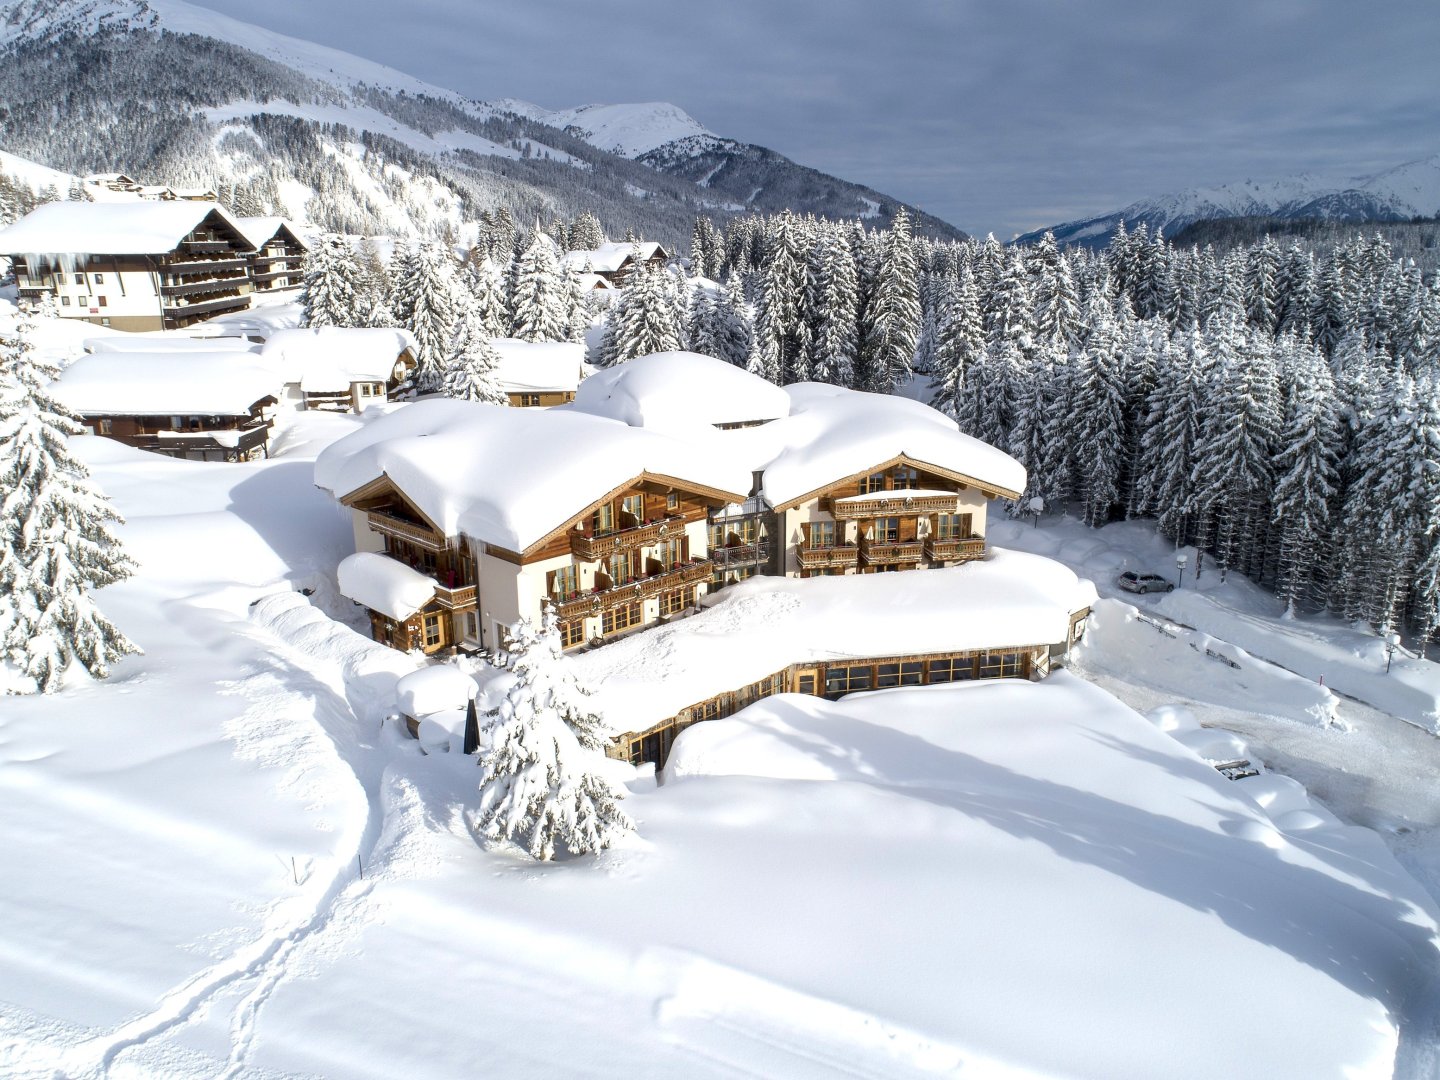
(203, 285)
(591, 548)
(200, 266)
(955, 550)
(740, 554)
(461, 596)
(221, 303)
(894, 504)
(594, 603)
(390, 525)
(876, 552)
(816, 558)
(206, 247)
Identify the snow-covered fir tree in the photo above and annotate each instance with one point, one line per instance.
(56, 543)
(332, 292)
(892, 320)
(542, 297)
(539, 756)
(472, 371)
(430, 291)
(643, 320)
(1307, 473)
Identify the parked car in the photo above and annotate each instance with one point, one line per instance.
(1130, 581)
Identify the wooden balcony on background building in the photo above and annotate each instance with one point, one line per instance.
(593, 603)
(893, 504)
(822, 558)
(390, 525)
(888, 552)
(955, 550)
(591, 548)
(741, 554)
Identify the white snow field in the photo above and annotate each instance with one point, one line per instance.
(223, 862)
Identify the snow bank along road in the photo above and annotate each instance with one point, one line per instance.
(221, 864)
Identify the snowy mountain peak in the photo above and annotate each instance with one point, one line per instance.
(629, 130)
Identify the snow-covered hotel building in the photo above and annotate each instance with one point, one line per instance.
(677, 475)
(148, 265)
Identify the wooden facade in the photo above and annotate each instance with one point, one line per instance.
(278, 263)
(539, 399)
(193, 438)
(834, 679)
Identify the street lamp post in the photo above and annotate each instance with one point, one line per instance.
(1392, 642)
(1181, 561)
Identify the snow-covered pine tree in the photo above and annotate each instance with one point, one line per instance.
(1307, 472)
(333, 286)
(541, 302)
(487, 285)
(430, 289)
(586, 233)
(1056, 304)
(473, 366)
(780, 331)
(1262, 281)
(960, 343)
(642, 321)
(892, 318)
(836, 338)
(56, 544)
(536, 755)
(1099, 410)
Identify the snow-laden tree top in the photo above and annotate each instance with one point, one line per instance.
(133, 228)
(323, 358)
(167, 384)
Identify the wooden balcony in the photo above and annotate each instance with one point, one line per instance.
(955, 550)
(201, 266)
(390, 525)
(740, 554)
(821, 558)
(462, 596)
(594, 603)
(880, 552)
(204, 285)
(178, 310)
(591, 548)
(206, 247)
(894, 504)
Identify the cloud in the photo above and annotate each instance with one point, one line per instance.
(993, 115)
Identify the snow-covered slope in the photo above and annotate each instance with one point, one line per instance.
(1397, 194)
(629, 130)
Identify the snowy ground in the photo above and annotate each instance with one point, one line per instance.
(222, 863)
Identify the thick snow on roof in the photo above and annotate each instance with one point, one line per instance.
(434, 689)
(105, 228)
(166, 343)
(509, 476)
(832, 433)
(761, 625)
(325, 358)
(608, 257)
(680, 392)
(260, 230)
(166, 384)
(384, 584)
(551, 366)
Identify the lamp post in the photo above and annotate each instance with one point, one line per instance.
(1392, 642)
(1181, 561)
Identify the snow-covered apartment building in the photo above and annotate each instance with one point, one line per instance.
(148, 265)
(668, 478)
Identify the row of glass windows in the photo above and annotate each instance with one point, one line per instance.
(900, 478)
(840, 681)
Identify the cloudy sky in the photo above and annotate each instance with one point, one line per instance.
(997, 115)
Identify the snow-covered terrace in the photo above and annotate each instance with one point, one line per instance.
(166, 384)
(1009, 600)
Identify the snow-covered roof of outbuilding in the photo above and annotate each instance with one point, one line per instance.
(166, 384)
(384, 584)
(682, 392)
(832, 433)
(540, 366)
(322, 358)
(1010, 599)
(507, 476)
(609, 257)
(166, 343)
(107, 228)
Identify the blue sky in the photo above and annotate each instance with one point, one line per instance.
(997, 115)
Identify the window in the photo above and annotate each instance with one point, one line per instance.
(104, 322)
(620, 618)
(952, 526)
(367, 389)
(676, 600)
(432, 631)
(820, 534)
(100, 301)
(887, 530)
(840, 681)
(103, 427)
(472, 626)
(873, 482)
(904, 478)
(529, 400)
(564, 582)
(907, 674)
(99, 279)
(953, 669)
(64, 301)
(572, 633)
(632, 510)
(622, 567)
(672, 501)
(603, 520)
